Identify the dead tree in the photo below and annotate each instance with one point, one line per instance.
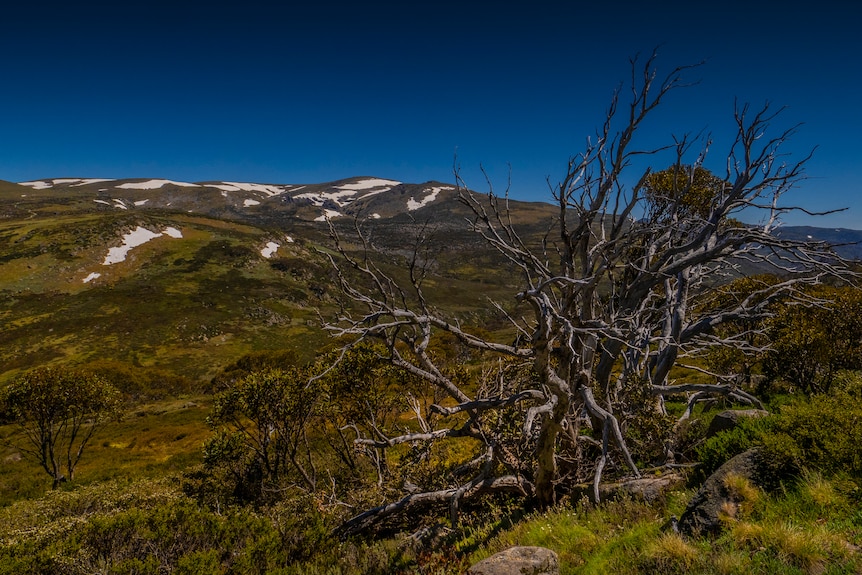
(613, 298)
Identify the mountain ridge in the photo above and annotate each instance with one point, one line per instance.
(280, 204)
(315, 202)
(188, 277)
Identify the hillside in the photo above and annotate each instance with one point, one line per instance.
(187, 277)
(161, 285)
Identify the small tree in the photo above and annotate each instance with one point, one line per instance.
(281, 426)
(364, 396)
(682, 191)
(58, 411)
(261, 441)
(811, 343)
(748, 333)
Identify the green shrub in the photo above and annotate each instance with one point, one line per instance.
(141, 383)
(820, 432)
(823, 432)
(723, 446)
(147, 527)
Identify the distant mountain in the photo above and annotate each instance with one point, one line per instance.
(280, 204)
(186, 277)
(847, 243)
(373, 197)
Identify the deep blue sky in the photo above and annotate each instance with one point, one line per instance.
(283, 92)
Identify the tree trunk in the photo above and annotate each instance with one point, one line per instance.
(546, 450)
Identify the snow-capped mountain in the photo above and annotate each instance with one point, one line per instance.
(373, 197)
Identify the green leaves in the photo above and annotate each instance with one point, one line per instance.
(58, 410)
(681, 192)
(810, 344)
(261, 441)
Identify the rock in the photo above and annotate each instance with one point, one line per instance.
(519, 561)
(730, 419)
(671, 525)
(13, 458)
(649, 488)
(714, 499)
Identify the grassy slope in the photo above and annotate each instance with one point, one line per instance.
(122, 525)
(152, 439)
(811, 528)
(195, 304)
(190, 305)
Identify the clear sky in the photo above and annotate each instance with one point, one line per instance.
(288, 92)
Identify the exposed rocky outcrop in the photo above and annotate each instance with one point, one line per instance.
(716, 498)
(731, 418)
(519, 561)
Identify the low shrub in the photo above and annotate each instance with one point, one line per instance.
(723, 446)
(818, 432)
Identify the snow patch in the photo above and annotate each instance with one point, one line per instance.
(37, 185)
(142, 202)
(319, 199)
(118, 203)
(327, 215)
(89, 181)
(91, 277)
(249, 203)
(375, 216)
(269, 250)
(268, 189)
(172, 232)
(316, 199)
(153, 185)
(430, 196)
(368, 184)
(137, 237)
(346, 193)
(44, 185)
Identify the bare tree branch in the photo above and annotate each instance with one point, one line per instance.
(622, 285)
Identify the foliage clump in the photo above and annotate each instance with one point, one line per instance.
(57, 411)
(811, 343)
(821, 432)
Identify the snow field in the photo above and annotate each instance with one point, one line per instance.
(327, 214)
(268, 189)
(154, 185)
(271, 247)
(431, 195)
(137, 237)
(45, 184)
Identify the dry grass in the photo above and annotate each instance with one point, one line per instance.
(671, 553)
